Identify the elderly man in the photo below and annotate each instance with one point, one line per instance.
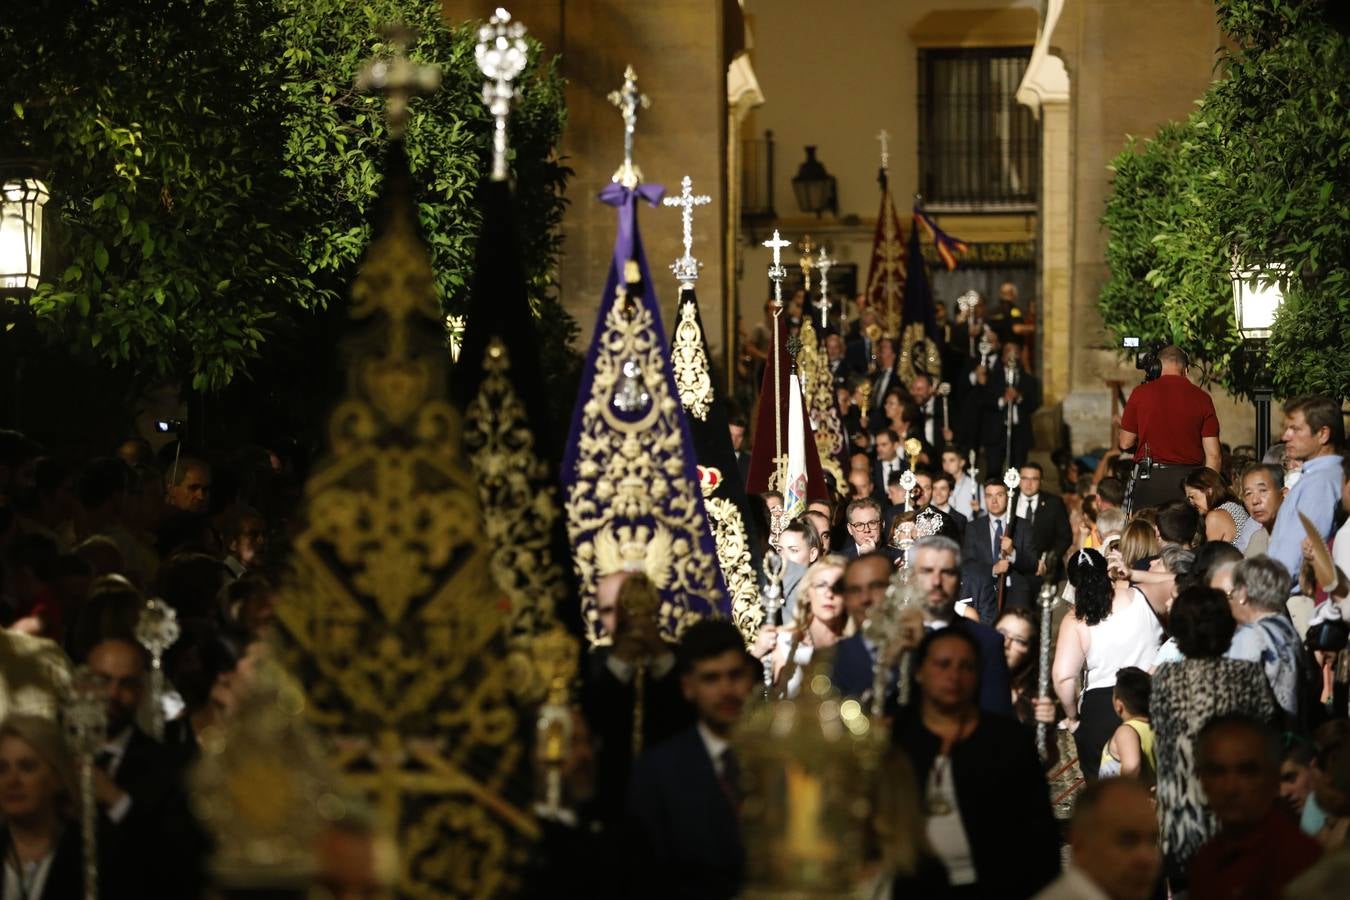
(1262, 494)
(1259, 848)
(188, 485)
(1114, 840)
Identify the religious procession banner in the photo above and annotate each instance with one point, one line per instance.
(631, 488)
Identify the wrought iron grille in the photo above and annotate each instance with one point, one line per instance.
(979, 149)
(757, 179)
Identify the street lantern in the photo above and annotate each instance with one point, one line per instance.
(814, 187)
(1256, 298)
(22, 198)
(1257, 295)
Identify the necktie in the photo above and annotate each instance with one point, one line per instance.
(731, 778)
(998, 537)
(1031, 510)
(104, 759)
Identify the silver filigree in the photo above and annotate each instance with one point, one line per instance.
(629, 101)
(824, 263)
(777, 271)
(501, 54)
(157, 630)
(686, 267)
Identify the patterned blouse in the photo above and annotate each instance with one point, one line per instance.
(1246, 525)
(1185, 696)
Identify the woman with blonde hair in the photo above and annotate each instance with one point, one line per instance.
(1139, 543)
(821, 621)
(39, 801)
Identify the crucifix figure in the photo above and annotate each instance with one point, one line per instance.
(824, 263)
(398, 78)
(807, 247)
(501, 53)
(628, 100)
(686, 267)
(777, 271)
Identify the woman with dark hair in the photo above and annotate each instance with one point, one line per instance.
(1021, 634)
(1112, 627)
(1186, 695)
(1225, 518)
(986, 802)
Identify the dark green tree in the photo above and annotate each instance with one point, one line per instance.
(213, 170)
(1253, 174)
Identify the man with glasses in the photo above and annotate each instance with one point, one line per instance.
(864, 530)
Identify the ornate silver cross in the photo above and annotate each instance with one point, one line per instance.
(777, 271)
(501, 54)
(686, 267)
(628, 100)
(398, 78)
(823, 264)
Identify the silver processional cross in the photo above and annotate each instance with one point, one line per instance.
(686, 267)
(777, 271)
(823, 263)
(628, 100)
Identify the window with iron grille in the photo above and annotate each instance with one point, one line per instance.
(979, 149)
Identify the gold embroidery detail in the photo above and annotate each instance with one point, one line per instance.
(916, 346)
(691, 364)
(733, 553)
(520, 503)
(632, 506)
(390, 617)
(818, 392)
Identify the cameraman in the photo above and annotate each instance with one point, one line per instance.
(1171, 427)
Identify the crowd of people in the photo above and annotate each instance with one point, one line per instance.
(1196, 675)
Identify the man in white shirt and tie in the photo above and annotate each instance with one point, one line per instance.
(889, 459)
(995, 549)
(935, 429)
(1047, 518)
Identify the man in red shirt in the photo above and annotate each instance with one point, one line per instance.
(1259, 848)
(1172, 423)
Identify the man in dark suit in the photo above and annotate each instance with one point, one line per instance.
(1046, 517)
(971, 395)
(996, 548)
(737, 428)
(885, 378)
(933, 428)
(942, 502)
(935, 566)
(889, 459)
(609, 689)
(865, 523)
(684, 799)
(138, 781)
(1011, 392)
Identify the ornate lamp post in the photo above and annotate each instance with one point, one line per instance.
(1258, 293)
(22, 198)
(814, 187)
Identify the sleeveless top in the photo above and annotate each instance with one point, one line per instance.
(1246, 525)
(1127, 637)
(1110, 766)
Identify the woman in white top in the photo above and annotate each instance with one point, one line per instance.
(821, 621)
(1112, 627)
